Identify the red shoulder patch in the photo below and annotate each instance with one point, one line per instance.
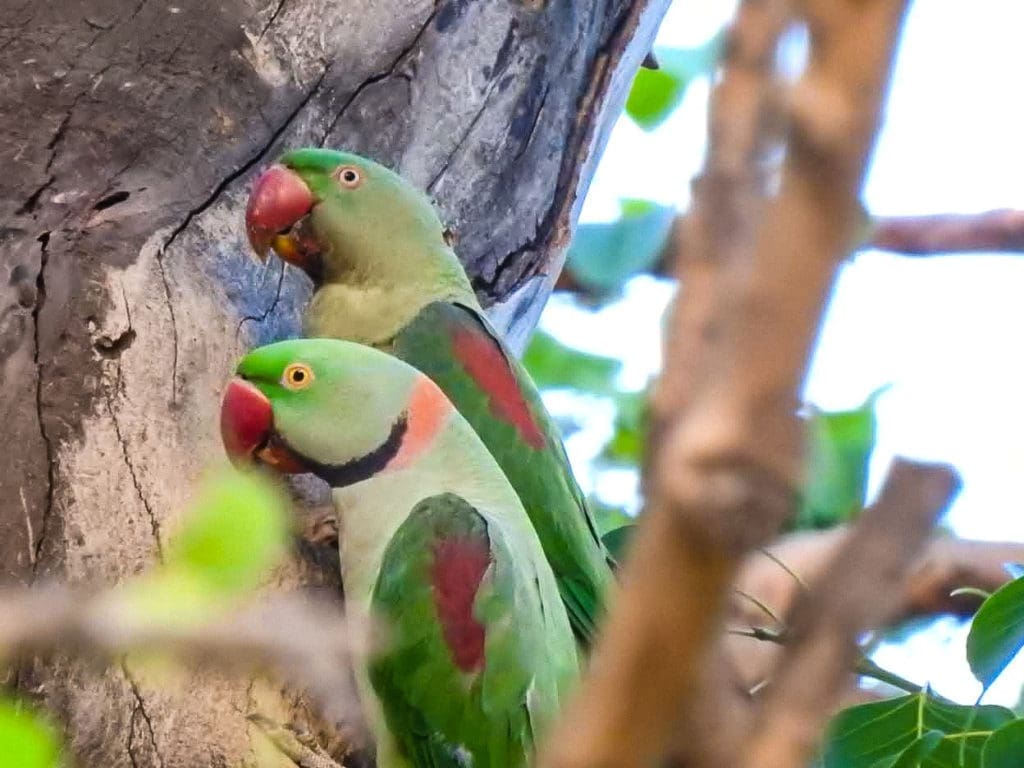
(459, 566)
(484, 360)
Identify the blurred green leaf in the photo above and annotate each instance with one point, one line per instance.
(554, 365)
(876, 735)
(1005, 747)
(617, 540)
(839, 446)
(607, 516)
(997, 632)
(656, 92)
(604, 255)
(627, 442)
(27, 740)
(236, 531)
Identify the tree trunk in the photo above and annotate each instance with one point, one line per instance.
(130, 132)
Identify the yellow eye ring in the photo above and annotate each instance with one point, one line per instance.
(349, 176)
(297, 376)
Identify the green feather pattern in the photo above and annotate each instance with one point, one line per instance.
(541, 477)
(439, 714)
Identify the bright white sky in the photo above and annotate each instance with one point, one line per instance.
(945, 332)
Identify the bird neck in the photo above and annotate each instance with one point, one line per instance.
(370, 512)
(372, 308)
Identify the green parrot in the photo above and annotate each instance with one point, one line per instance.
(386, 276)
(437, 545)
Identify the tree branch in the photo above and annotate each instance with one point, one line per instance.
(940, 234)
(859, 590)
(1000, 231)
(725, 447)
(305, 642)
(946, 564)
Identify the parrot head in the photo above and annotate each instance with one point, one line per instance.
(339, 410)
(343, 218)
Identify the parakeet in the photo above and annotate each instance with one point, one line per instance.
(436, 545)
(386, 276)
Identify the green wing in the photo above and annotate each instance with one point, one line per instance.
(480, 651)
(456, 347)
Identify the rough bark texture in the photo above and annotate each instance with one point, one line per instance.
(130, 132)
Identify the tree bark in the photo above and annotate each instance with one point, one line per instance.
(130, 132)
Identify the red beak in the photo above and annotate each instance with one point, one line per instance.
(279, 198)
(247, 430)
(246, 420)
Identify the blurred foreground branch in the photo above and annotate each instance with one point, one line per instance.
(725, 447)
(304, 642)
(858, 591)
(989, 231)
(939, 234)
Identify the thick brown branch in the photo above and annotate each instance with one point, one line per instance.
(859, 590)
(725, 444)
(646, 673)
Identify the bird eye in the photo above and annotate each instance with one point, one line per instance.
(349, 176)
(297, 376)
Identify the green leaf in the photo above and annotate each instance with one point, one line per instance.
(617, 540)
(877, 735)
(1005, 747)
(27, 740)
(604, 255)
(656, 92)
(919, 749)
(839, 446)
(236, 531)
(607, 517)
(997, 632)
(627, 443)
(553, 365)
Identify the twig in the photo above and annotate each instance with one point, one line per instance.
(869, 668)
(859, 590)
(999, 230)
(951, 576)
(864, 665)
(938, 234)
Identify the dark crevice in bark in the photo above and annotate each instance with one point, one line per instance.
(33, 200)
(139, 711)
(44, 241)
(462, 140)
(535, 122)
(218, 190)
(122, 342)
(109, 201)
(273, 304)
(374, 79)
(53, 145)
(174, 328)
(58, 136)
(153, 522)
(549, 229)
(272, 19)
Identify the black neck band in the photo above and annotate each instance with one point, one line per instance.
(357, 470)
